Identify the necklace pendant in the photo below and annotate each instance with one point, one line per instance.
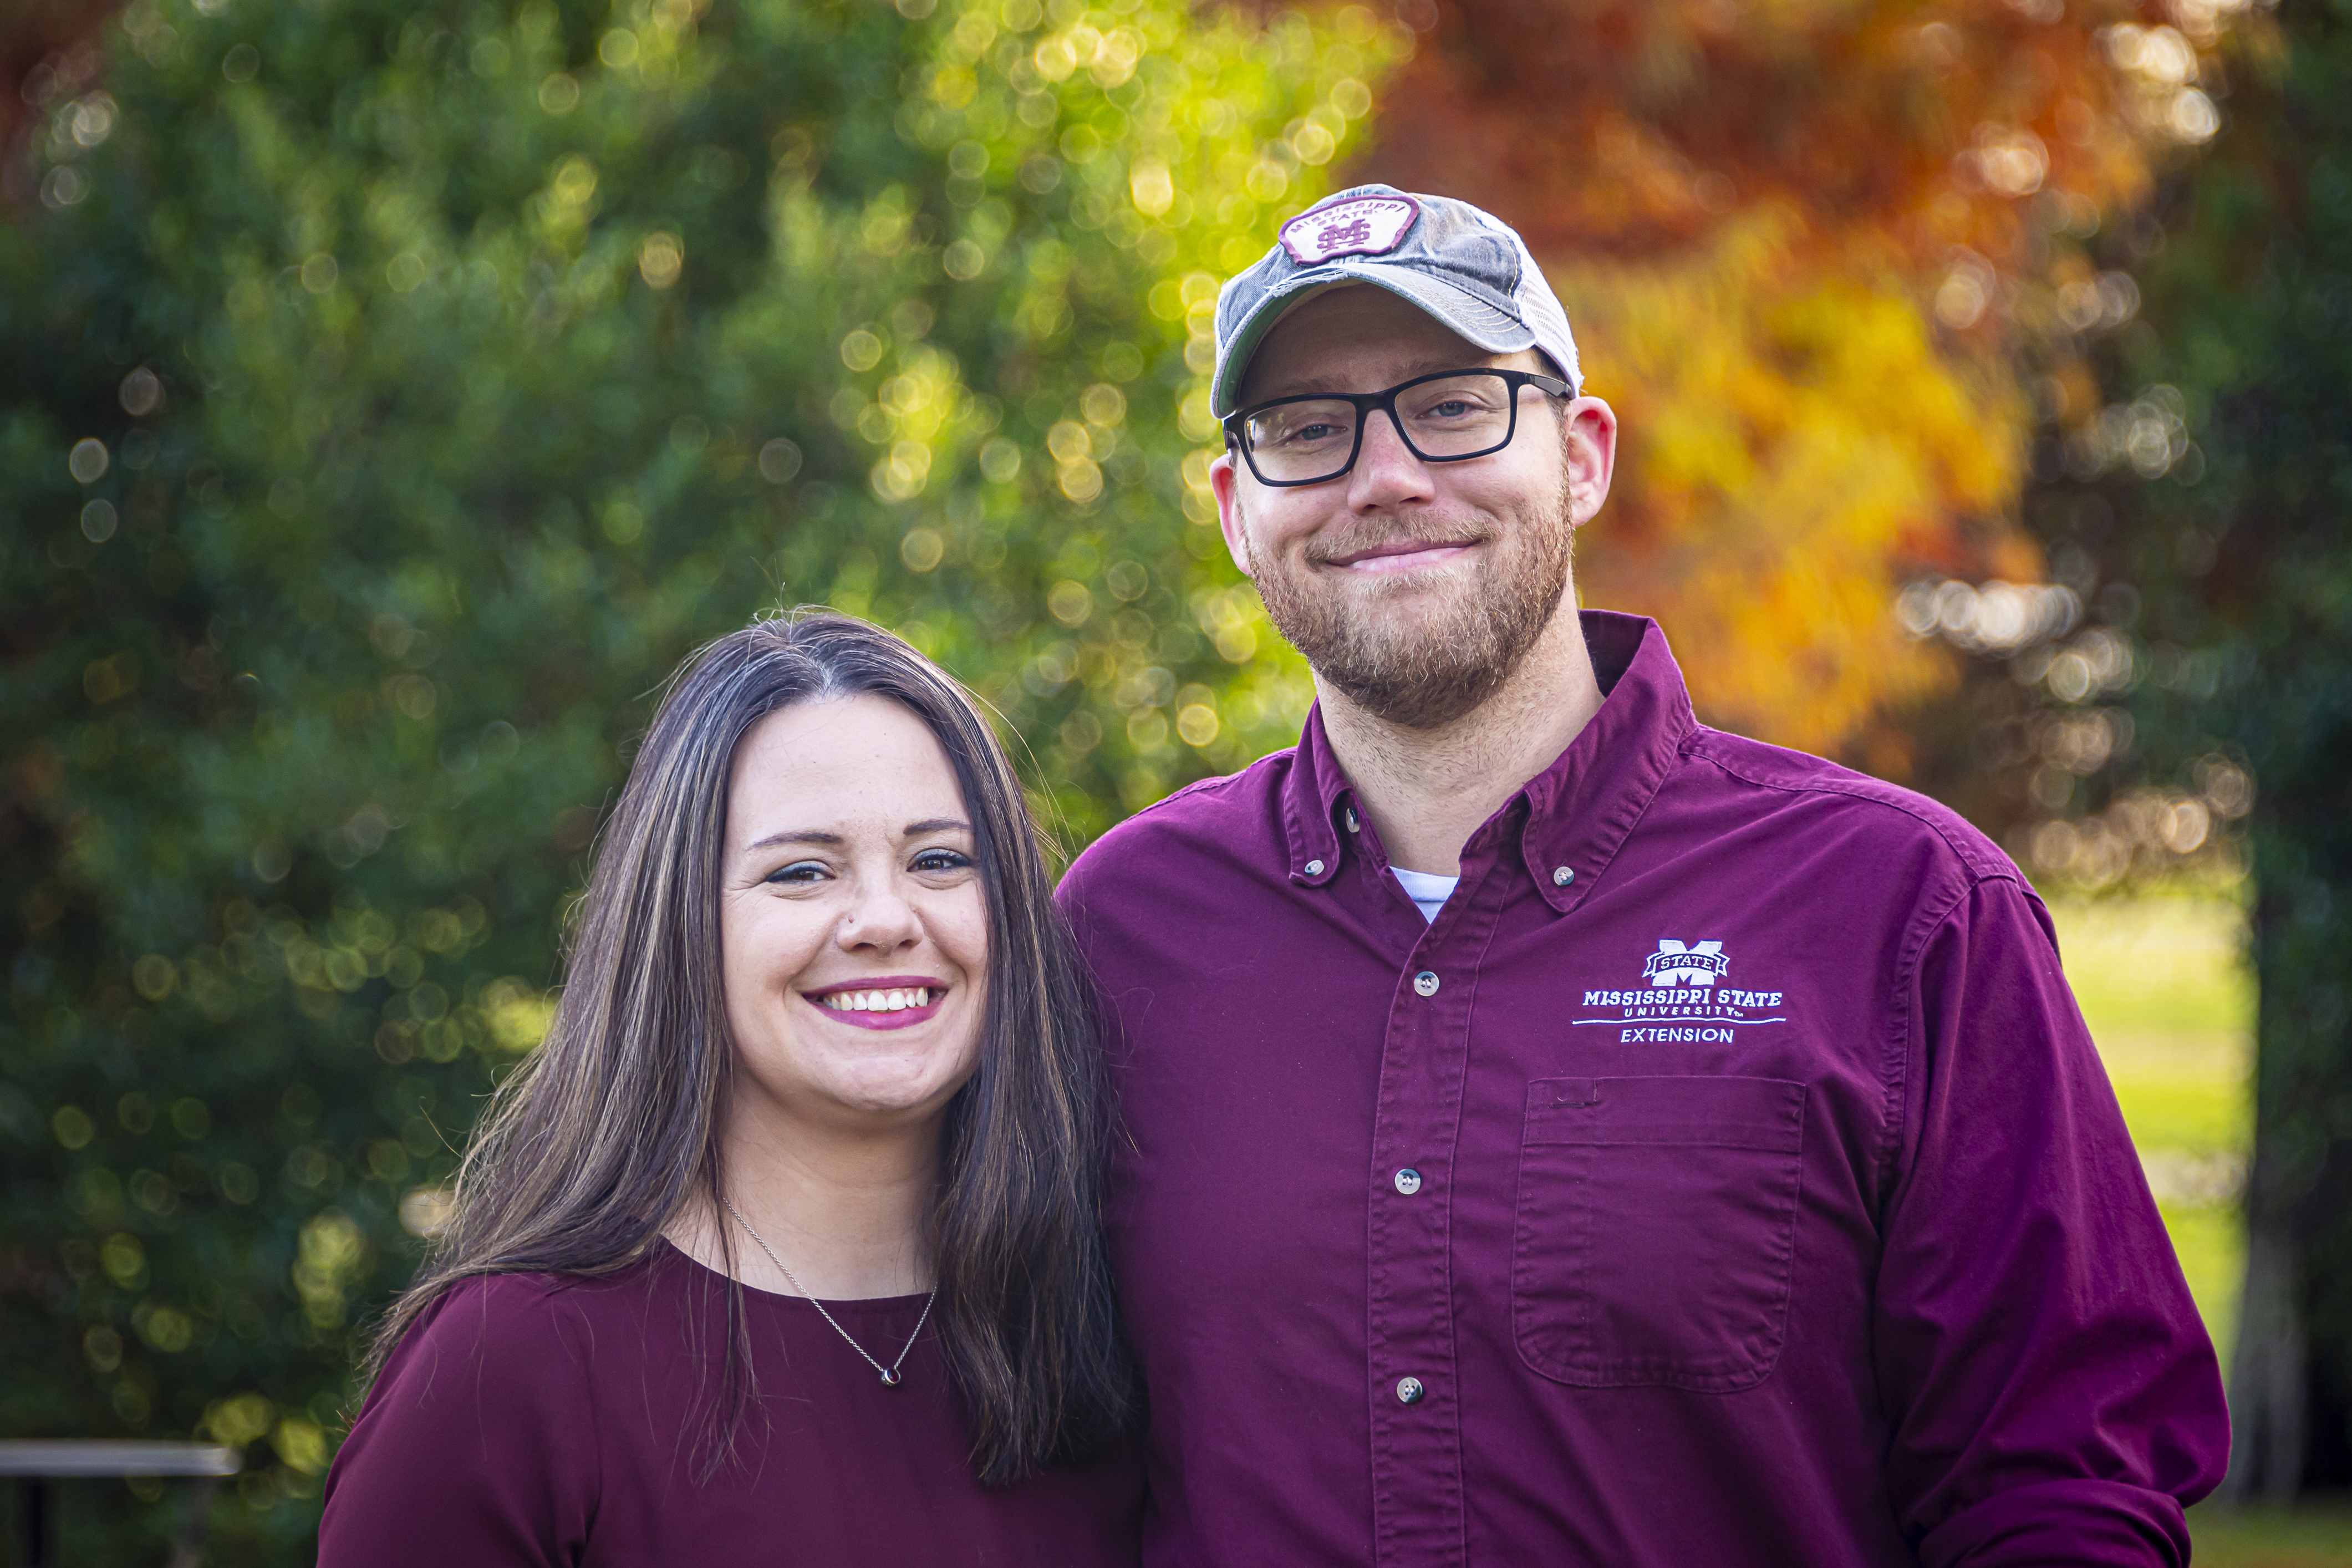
(890, 1378)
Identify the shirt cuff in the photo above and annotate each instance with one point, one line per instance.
(2072, 1521)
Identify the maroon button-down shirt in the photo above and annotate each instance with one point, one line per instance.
(1771, 1204)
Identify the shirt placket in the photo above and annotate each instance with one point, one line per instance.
(1415, 1391)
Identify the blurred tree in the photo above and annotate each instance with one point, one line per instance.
(1805, 246)
(391, 395)
(2227, 569)
(35, 38)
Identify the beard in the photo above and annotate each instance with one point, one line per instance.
(1420, 677)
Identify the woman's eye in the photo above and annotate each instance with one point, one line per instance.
(941, 860)
(799, 871)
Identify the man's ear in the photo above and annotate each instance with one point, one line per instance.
(1225, 483)
(1589, 445)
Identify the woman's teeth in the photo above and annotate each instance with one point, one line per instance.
(876, 1001)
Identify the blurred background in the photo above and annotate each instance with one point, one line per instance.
(390, 393)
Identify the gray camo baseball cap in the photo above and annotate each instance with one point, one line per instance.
(1466, 267)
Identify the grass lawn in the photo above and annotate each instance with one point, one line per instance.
(2164, 984)
(2261, 1538)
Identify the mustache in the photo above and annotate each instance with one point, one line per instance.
(1327, 548)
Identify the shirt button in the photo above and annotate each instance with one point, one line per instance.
(1561, 876)
(1408, 1180)
(1315, 867)
(1410, 1390)
(1427, 983)
(1353, 825)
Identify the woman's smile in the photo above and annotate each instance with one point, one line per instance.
(883, 1002)
(853, 931)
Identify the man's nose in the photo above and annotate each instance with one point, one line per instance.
(1386, 471)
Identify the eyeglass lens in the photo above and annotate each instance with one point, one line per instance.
(1456, 416)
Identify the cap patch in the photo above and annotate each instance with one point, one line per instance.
(1367, 226)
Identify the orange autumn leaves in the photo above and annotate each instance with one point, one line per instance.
(1793, 438)
(1810, 248)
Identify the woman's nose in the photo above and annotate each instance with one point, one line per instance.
(879, 917)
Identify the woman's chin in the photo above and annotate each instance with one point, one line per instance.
(873, 1095)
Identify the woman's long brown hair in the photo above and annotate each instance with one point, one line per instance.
(610, 1131)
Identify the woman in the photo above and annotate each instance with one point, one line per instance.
(783, 1248)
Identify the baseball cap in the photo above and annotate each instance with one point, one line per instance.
(1467, 268)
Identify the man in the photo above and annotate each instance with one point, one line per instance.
(1555, 1132)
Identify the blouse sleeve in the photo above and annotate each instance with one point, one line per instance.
(477, 1443)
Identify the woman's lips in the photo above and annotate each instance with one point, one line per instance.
(886, 1002)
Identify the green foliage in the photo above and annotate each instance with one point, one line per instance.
(2240, 584)
(393, 394)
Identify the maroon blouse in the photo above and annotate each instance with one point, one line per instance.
(530, 1418)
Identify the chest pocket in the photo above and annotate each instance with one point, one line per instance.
(1656, 1229)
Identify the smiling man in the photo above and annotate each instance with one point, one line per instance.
(1555, 1131)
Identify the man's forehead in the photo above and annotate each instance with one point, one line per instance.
(1336, 340)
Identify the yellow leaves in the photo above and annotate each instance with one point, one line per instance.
(1109, 57)
(1102, 404)
(1194, 417)
(661, 260)
(302, 1445)
(1152, 187)
(331, 1254)
(861, 350)
(1794, 436)
(518, 1017)
(903, 474)
(237, 1420)
(165, 1329)
(574, 181)
(125, 1258)
(954, 86)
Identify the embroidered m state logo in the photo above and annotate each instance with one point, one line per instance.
(1685, 999)
(1699, 963)
(1367, 226)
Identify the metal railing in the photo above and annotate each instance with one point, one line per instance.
(38, 1463)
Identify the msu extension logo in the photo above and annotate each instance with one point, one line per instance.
(1701, 963)
(1687, 999)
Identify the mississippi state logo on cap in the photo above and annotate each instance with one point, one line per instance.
(1369, 226)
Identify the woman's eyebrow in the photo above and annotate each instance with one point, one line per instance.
(814, 836)
(806, 835)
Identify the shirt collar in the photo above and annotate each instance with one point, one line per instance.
(1579, 810)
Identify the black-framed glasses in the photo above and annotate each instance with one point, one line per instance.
(1448, 418)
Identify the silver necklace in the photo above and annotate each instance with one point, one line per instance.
(890, 1378)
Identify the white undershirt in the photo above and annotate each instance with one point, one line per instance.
(1427, 892)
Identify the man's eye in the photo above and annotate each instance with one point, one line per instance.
(799, 871)
(1451, 408)
(1303, 431)
(941, 860)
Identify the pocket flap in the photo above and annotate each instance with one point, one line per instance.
(1718, 1112)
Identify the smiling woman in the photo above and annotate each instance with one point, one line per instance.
(853, 929)
(818, 1002)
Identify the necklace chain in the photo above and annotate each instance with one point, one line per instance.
(890, 1378)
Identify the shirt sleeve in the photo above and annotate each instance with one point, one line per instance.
(2051, 1392)
(477, 1443)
